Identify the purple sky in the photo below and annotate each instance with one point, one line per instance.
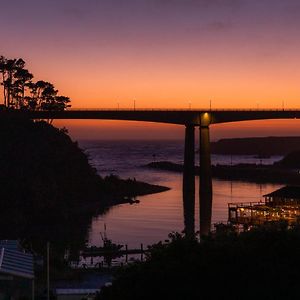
(164, 53)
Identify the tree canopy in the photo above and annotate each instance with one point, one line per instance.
(21, 92)
(259, 264)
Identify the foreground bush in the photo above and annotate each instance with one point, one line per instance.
(260, 264)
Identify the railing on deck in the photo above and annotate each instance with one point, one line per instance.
(187, 109)
(245, 204)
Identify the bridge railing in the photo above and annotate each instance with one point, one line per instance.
(186, 110)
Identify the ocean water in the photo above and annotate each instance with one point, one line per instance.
(157, 215)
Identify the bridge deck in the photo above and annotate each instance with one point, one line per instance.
(172, 116)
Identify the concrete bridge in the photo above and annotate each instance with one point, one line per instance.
(201, 118)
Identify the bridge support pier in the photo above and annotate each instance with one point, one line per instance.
(189, 181)
(205, 179)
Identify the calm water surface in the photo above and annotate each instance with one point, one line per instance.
(157, 215)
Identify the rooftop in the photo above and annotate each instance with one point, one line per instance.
(76, 291)
(292, 192)
(14, 261)
(10, 244)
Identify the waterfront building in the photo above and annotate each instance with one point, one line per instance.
(280, 205)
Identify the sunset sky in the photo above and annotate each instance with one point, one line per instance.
(162, 53)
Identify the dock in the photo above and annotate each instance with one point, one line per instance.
(100, 251)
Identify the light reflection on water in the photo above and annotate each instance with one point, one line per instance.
(159, 214)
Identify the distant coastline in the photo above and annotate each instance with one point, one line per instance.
(241, 172)
(259, 146)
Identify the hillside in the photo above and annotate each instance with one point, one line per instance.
(40, 165)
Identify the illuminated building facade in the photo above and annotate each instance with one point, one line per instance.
(282, 204)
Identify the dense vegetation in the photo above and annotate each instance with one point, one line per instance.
(42, 168)
(21, 92)
(260, 264)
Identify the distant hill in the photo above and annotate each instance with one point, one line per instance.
(257, 145)
(291, 160)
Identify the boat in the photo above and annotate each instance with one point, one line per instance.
(108, 247)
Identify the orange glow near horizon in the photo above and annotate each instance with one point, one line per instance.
(131, 130)
(231, 85)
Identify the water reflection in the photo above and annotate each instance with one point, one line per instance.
(189, 208)
(188, 186)
(205, 193)
(157, 215)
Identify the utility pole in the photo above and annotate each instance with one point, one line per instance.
(210, 105)
(134, 104)
(48, 273)
(33, 290)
